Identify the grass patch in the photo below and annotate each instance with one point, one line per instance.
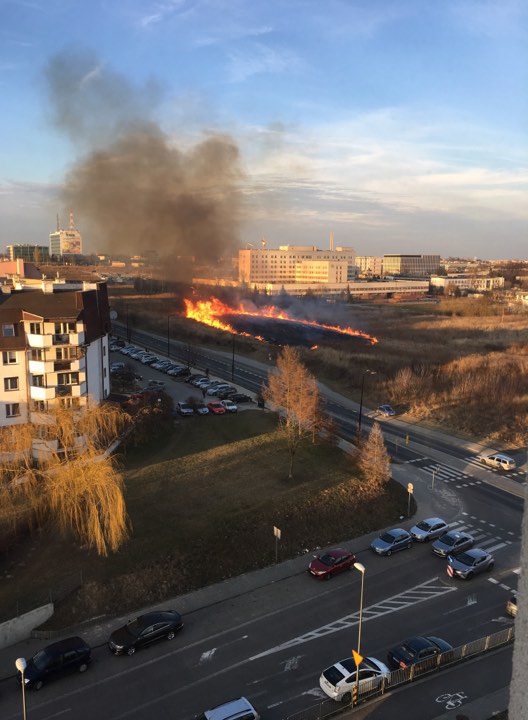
(202, 509)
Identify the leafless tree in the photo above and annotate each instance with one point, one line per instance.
(293, 389)
(373, 459)
(74, 483)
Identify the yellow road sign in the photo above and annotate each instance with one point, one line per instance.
(358, 659)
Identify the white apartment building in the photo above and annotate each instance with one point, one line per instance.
(54, 349)
(65, 242)
(279, 265)
(369, 265)
(476, 283)
(321, 271)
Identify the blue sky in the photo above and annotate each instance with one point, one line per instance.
(398, 126)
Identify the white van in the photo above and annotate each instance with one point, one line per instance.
(499, 460)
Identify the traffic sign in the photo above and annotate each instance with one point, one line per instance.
(410, 487)
(358, 659)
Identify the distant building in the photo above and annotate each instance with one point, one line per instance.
(53, 348)
(360, 289)
(65, 242)
(369, 265)
(31, 253)
(411, 265)
(295, 264)
(477, 283)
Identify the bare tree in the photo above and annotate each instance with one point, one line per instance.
(374, 460)
(294, 390)
(73, 483)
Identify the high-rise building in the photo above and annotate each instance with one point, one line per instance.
(65, 242)
(295, 264)
(411, 265)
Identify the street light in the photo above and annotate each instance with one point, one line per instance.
(21, 665)
(367, 372)
(361, 569)
(233, 361)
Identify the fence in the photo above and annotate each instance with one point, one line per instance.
(12, 608)
(376, 687)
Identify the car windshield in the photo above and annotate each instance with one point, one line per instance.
(466, 559)
(424, 525)
(134, 627)
(388, 537)
(41, 659)
(327, 559)
(449, 539)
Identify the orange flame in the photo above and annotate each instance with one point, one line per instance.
(210, 311)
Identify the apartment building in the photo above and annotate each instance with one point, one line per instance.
(54, 349)
(369, 265)
(476, 283)
(291, 263)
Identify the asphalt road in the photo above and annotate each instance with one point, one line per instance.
(271, 643)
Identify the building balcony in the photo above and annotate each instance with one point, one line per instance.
(61, 339)
(41, 393)
(39, 341)
(40, 367)
(79, 390)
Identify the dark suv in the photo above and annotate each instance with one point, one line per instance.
(65, 656)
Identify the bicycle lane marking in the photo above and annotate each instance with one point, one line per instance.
(420, 593)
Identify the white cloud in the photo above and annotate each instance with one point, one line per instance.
(258, 59)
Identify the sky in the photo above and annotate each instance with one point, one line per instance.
(398, 126)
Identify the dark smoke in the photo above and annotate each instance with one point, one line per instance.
(132, 187)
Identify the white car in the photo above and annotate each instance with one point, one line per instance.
(240, 709)
(339, 680)
(229, 406)
(498, 460)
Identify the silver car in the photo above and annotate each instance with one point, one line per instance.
(499, 460)
(469, 563)
(429, 529)
(391, 541)
(339, 680)
(452, 543)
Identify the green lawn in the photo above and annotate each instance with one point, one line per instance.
(202, 504)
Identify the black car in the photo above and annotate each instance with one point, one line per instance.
(60, 658)
(144, 630)
(415, 650)
(240, 398)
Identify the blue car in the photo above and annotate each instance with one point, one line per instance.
(392, 541)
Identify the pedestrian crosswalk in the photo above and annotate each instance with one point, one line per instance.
(487, 535)
(446, 473)
(475, 462)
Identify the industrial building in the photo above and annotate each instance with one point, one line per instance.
(411, 265)
(65, 242)
(31, 253)
(475, 283)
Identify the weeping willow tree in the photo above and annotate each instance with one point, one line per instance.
(73, 482)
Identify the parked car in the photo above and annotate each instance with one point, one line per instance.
(229, 406)
(214, 387)
(144, 630)
(452, 543)
(194, 376)
(331, 563)
(239, 398)
(116, 368)
(201, 383)
(156, 384)
(201, 409)
(240, 709)
(511, 606)
(498, 460)
(386, 410)
(429, 529)
(66, 656)
(184, 409)
(227, 394)
(392, 541)
(178, 371)
(339, 680)
(149, 359)
(161, 365)
(415, 650)
(216, 408)
(469, 563)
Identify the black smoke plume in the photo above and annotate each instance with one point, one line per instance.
(132, 187)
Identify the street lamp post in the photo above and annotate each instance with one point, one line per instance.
(168, 336)
(233, 361)
(361, 569)
(21, 665)
(367, 372)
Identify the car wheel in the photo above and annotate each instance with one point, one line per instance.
(131, 650)
(389, 553)
(409, 545)
(470, 575)
(38, 685)
(328, 576)
(83, 667)
(490, 566)
(171, 635)
(346, 699)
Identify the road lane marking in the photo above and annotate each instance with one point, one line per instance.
(420, 593)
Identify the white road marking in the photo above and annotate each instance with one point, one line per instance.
(207, 655)
(292, 663)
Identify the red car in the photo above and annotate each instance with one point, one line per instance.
(216, 408)
(331, 563)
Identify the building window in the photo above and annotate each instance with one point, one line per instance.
(39, 406)
(12, 410)
(35, 328)
(69, 402)
(9, 357)
(38, 380)
(67, 353)
(36, 354)
(10, 383)
(8, 330)
(64, 328)
(69, 378)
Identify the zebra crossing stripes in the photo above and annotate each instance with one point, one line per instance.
(449, 474)
(486, 535)
(475, 462)
(418, 594)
